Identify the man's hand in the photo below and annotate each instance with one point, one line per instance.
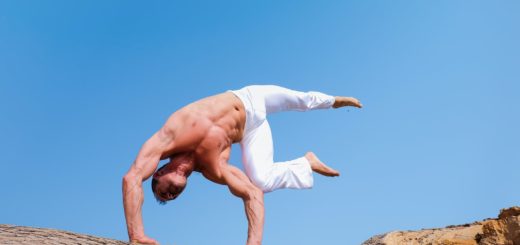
(143, 240)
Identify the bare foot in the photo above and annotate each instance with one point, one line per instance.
(320, 167)
(346, 101)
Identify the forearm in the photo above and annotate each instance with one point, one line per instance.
(133, 201)
(253, 198)
(254, 206)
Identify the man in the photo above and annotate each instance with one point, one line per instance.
(198, 137)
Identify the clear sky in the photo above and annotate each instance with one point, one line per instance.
(84, 83)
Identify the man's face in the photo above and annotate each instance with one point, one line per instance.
(169, 185)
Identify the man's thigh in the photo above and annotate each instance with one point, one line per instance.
(257, 152)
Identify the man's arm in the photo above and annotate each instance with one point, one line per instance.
(253, 197)
(133, 197)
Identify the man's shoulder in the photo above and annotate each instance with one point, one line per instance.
(213, 174)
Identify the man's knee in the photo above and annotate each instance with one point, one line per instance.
(261, 182)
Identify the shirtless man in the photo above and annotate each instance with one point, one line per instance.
(198, 137)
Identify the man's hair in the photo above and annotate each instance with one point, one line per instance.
(154, 187)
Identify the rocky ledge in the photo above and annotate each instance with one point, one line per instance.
(505, 230)
(10, 234)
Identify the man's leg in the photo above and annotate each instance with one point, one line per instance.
(279, 99)
(257, 146)
(257, 157)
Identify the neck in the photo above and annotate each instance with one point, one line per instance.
(185, 169)
(182, 163)
(186, 165)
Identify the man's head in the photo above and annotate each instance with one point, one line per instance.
(170, 180)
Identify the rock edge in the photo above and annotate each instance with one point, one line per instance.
(505, 230)
(11, 234)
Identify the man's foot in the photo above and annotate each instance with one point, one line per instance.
(320, 167)
(346, 101)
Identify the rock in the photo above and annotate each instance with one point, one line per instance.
(508, 212)
(505, 230)
(502, 231)
(10, 234)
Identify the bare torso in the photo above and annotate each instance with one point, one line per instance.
(207, 128)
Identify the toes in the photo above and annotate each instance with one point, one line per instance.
(334, 172)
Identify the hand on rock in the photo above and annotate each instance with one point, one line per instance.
(143, 241)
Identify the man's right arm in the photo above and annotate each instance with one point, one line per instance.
(133, 197)
(240, 186)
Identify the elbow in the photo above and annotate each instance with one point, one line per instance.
(254, 192)
(251, 192)
(130, 179)
(126, 182)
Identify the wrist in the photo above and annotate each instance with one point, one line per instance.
(254, 241)
(136, 235)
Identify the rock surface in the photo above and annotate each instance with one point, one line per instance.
(10, 234)
(505, 230)
(502, 231)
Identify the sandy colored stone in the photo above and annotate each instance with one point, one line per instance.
(505, 230)
(458, 235)
(508, 212)
(502, 231)
(10, 234)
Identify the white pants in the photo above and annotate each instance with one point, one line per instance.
(257, 143)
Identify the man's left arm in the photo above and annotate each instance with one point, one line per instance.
(253, 198)
(133, 196)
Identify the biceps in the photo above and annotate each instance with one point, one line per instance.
(149, 156)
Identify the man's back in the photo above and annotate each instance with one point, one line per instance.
(210, 124)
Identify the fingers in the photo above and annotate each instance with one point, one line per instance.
(147, 241)
(139, 243)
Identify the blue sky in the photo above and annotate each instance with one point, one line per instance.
(84, 83)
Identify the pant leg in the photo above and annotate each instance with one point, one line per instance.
(257, 157)
(278, 99)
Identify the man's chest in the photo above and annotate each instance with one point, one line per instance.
(210, 156)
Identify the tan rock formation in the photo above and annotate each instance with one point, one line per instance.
(505, 230)
(502, 231)
(10, 234)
